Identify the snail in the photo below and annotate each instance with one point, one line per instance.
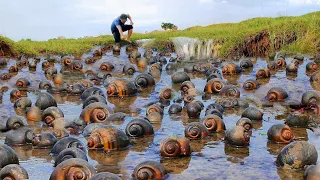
(22, 83)
(66, 60)
(144, 80)
(105, 176)
(92, 99)
(90, 60)
(86, 83)
(155, 70)
(11, 123)
(50, 114)
(15, 93)
(311, 67)
(33, 114)
(246, 63)
(175, 108)
(272, 65)
(22, 103)
(45, 100)
(237, 136)
(44, 140)
(276, 94)
(230, 91)
(310, 98)
(70, 153)
(129, 69)
(3, 62)
(33, 64)
(8, 156)
(142, 63)
(91, 91)
(121, 87)
(97, 52)
(171, 66)
(74, 168)
(166, 93)
(298, 119)
(19, 137)
(13, 69)
(95, 112)
(149, 170)
(67, 142)
(252, 113)
(13, 172)
(45, 85)
(51, 71)
(214, 86)
(231, 69)
(262, 73)
(108, 138)
(297, 154)
(58, 79)
(246, 123)
(213, 123)
(154, 108)
(186, 85)
(194, 109)
(106, 66)
(250, 84)
(214, 112)
(196, 130)
(91, 127)
(212, 70)
(45, 64)
(5, 76)
(292, 68)
(75, 89)
(213, 76)
(175, 147)
(188, 68)
(215, 106)
(315, 77)
(202, 67)
(180, 77)
(135, 54)
(76, 65)
(312, 172)
(139, 128)
(281, 62)
(163, 60)
(280, 133)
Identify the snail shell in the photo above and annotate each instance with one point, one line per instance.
(193, 109)
(5, 76)
(281, 63)
(15, 93)
(94, 98)
(89, 60)
(211, 71)
(76, 65)
(231, 69)
(139, 128)
(106, 66)
(213, 76)
(149, 170)
(135, 54)
(196, 130)
(292, 67)
(154, 108)
(45, 85)
(13, 172)
(142, 63)
(50, 114)
(58, 79)
(97, 52)
(299, 57)
(171, 66)
(75, 89)
(66, 60)
(312, 172)
(95, 112)
(214, 112)
(175, 147)
(175, 108)
(22, 83)
(11, 123)
(214, 86)
(86, 83)
(213, 123)
(180, 77)
(51, 71)
(203, 67)
(45, 64)
(144, 80)
(166, 94)
(73, 169)
(240, 103)
(67, 142)
(19, 137)
(70, 153)
(105, 176)
(186, 85)
(91, 91)
(312, 66)
(246, 123)
(215, 106)
(33, 64)
(246, 63)
(45, 100)
(310, 98)
(237, 136)
(252, 113)
(302, 120)
(44, 140)
(108, 138)
(297, 154)
(13, 69)
(315, 77)
(129, 69)
(33, 114)
(230, 91)
(188, 68)
(121, 87)
(276, 94)
(8, 156)
(91, 127)
(250, 84)
(280, 133)
(272, 65)
(262, 73)
(22, 103)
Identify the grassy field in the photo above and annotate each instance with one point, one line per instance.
(307, 28)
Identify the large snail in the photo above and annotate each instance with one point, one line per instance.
(214, 86)
(292, 68)
(8, 156)
(175, 108)
(196, 130)
(45, 100)
(75, 89)
(246, 63)
(185, 86)
(13, 69)
(311, 67)
(252, 113)
(142, 62)
(298, 119)
(315, 77)
(144, 80)
(91, 91)
(262, 73)
(15, 93)
(175, 147)
(230, 91)
(166, 93)
(106, 66)
(67, 142)
(312, 172)
(213, 123)
(89, 60)
(105, 176)
(276, 94)
(280, 133)
(91, 127)
(237, 136)
(121, 87)
(139, 128)
(11, 123)
(22, 103)
(135, 54)
(310, 98)
(51, 71)
(231, 69)
(66, 60)
(33, 114)
(22, 83)
(70, 153)
(19, 137)
(250, 84)
(45, 85)
(13, 172)
(193, 109)
(129, 69)
(5, 76)
(149, 170)
(108, 138)
(74, 168)
(50, 114)
(297, 154)
(202, 67)
(246, 123)
(281, 62)
(92, 99)
(154, 108)
(180, 77)
(44, 140)
(95, 112)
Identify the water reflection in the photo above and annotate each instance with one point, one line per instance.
(141, 144)
(176, 165)
(111, 158)
(275, 148)
(237, 154)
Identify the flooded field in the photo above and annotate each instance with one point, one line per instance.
(211, 158)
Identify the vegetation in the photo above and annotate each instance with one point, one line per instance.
(306, 27)
(169, 26)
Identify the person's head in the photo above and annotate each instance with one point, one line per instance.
(123, 18)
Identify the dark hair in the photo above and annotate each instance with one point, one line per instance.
(124, 16)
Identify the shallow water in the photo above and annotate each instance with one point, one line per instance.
(210, 158)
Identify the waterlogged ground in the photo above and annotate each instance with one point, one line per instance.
(210, 158)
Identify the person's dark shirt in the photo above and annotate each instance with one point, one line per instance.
(115, 23)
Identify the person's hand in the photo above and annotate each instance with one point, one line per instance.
(131, 23)
(122, 37)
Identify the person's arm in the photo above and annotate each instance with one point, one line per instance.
(120, 31)
(129, 17)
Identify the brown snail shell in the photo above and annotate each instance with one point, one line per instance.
(186, 85)
(297, 154)
(202, 67)
(86, 83)
(250, 84)
(277, 94)
(175, 147)
(95, 112)
(45, 100)
(58, 79)
(11, 123)
(70, 153)
(91, 91)
(33, 64)
(90, 60)
(144, 80)
(45, 85)
(214, 112)
(75, 89)
(292, 67)
(15, 93)
(175, 108)
(149, 170)
(246, 63)
(280, 133)
(179, 77)
(50, 114)
(230, 91)
(5, 76)
(196, 130)
(155, 67)
(22, 103)
(312, 172)
(22, 83)
(214, 86)
(121, 87)
(108, 138)
(154, 117)
(105, 176)
(129, 69)
(67, 142)
(142, 63)
(166, 93)
(19, 137)
(297, 119)
(310, 98)
(135, 54)
(281, 63)
(73, 169)
(231, 69)
(106, 66)
(91, 127)
(8, 156)
(215, 106)
(193, 109)
(51, 71)
(154, 108)
(97, 52)
(262, 73)
(246, 123)
(312, 66)
(213, 123)
(44, 140)
(33, 114)
(77, 65)
(13, 172)
(13, 69)
(237, 136)
(66, 60)
(139, 128)
(252, 113)
(92, 99)
(315, 77)
(45, 64)
(272, 65)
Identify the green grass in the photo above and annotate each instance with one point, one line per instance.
(306, 26)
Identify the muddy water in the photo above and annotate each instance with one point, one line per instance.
(210, 159)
